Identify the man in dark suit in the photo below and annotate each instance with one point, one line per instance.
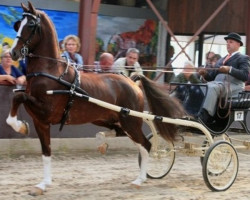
(230, 70)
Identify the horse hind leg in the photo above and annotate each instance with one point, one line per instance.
(102, 145)
(101, 140)
(18, 125)
(133, 128)
(102, 136)
(143, 171)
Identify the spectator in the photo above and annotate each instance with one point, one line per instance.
(7, 45)
(106, 62)
(188, 74)
(71, 45)
(9, 74)
(214, 59)
(233, 71)
(129, 65)
(209, 56)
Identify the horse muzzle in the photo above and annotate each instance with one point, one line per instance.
(15, 55)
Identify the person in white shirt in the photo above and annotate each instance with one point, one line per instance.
(129, 65)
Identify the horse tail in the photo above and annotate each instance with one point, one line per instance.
(161, 104)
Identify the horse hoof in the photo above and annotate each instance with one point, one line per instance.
(25, 129)
(36, 191)
(135, 186)
(138, 182)
(103, 148)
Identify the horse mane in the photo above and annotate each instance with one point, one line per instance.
(45, 19)
(161, 104)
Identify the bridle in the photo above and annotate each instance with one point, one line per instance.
(34, 23)
(35, 26)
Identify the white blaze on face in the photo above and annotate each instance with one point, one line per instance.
(23, 22)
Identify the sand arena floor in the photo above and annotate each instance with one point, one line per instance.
(90, 175)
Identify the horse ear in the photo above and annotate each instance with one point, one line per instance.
(25, 9)
(31, 8)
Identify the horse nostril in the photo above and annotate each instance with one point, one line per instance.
(13, 55)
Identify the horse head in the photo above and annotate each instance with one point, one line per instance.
(31, 32)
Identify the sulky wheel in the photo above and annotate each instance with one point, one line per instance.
(161, 157)
(206, 144)
(220, 166)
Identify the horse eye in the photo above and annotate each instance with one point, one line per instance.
(31, 23)
(17, 25)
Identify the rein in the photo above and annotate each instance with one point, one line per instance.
(226, 104)
(31, 55)
(144, 68)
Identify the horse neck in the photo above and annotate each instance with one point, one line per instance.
(48, 45)
(47, 54)
(46, 57)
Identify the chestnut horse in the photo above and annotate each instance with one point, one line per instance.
(37, 41)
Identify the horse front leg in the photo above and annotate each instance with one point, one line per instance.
(43, 131)
(18, 125)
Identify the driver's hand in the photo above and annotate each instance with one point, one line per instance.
(202, 71)
(224, 69)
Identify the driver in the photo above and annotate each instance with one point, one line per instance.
(227, 79)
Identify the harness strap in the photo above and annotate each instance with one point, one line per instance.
(74, 87)
(71, 100)
(58, 79)
(35, 27)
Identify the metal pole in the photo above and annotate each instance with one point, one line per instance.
(166, 26)
(88, 13)
(198, 31)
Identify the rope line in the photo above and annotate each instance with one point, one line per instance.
(89, 68)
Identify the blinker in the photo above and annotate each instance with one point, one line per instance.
(17, 25)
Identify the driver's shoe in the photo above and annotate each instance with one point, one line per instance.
(205, 117)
